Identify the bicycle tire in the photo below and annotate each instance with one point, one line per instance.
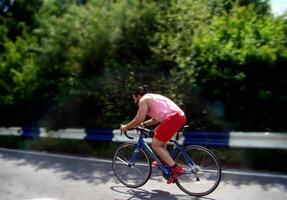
(131, 176)
(208, 176)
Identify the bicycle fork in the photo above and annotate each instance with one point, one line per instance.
(133, 159)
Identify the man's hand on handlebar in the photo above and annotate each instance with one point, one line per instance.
(123, 128)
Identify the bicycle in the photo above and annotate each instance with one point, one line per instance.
(132, 165)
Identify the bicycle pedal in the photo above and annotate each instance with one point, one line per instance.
(172, 179)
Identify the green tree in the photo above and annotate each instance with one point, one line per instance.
(233, 58)
(73, 63)
(17, 22)
(84, 52)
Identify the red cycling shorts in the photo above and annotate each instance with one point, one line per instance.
(169, 127)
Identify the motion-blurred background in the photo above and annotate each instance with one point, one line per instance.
(73, 63)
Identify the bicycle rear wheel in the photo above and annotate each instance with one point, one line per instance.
(206, 173)
(135, 175)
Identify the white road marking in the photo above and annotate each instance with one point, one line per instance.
(55, 155)
(41, 199)
(259, 174)
(243, 173)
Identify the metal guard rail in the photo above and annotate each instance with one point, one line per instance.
(268, 140)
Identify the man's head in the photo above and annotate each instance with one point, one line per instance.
(139, 92)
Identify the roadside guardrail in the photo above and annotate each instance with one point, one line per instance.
(269, 140)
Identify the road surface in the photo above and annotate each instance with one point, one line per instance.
(26, 175)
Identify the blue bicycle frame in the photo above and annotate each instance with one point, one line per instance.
(166, 170)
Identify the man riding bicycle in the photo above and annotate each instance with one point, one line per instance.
(164, 112)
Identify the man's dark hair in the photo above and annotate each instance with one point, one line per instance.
(142, 90)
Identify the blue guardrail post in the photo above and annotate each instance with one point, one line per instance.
(99, 135)
(30, 132)
(206, 138)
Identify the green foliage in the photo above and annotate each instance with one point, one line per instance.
(73, 63)
(85, 52)
(239, 52)
(232, 58)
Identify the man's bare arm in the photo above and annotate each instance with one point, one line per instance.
(140, 117)
(151, 122)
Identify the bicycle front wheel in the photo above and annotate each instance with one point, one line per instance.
(130, 174)
(204, 175)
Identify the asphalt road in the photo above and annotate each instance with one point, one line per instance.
(41, 176)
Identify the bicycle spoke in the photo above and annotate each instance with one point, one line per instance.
(207, 171)
(135, 175)
(138, 171)
(125, 154)
(121, 160)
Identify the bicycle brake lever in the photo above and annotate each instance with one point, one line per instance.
(125, 133)
(128, 136)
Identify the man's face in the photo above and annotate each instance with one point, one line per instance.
(136, 99)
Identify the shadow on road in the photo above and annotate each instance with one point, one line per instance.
(96, 172)
(93, 172)
(132, 194)
(266, 183)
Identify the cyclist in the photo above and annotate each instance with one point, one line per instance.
(164, 112)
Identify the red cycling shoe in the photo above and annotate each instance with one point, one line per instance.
(178, 170)
(175, 173)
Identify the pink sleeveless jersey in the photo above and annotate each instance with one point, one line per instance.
(162, 107)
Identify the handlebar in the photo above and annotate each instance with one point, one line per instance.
(150, 133)
(146, 132)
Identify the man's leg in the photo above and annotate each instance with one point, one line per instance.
(160, 148)
(163, 133)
